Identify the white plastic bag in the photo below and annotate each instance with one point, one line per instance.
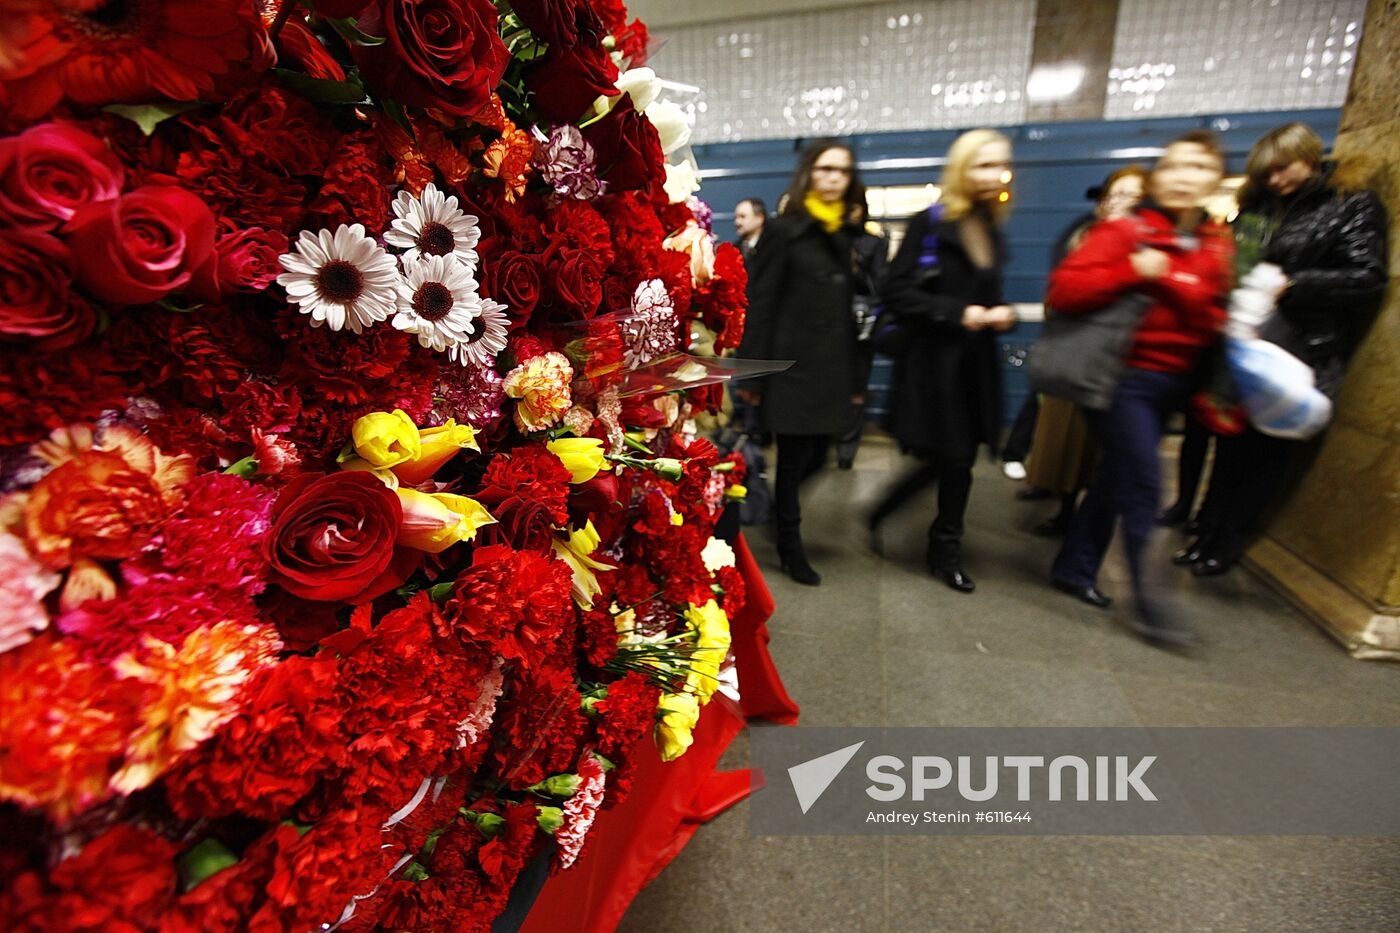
(1276, 388)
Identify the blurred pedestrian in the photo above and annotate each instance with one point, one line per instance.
(1327, 231)
(800, 309)
(750, 215)
(1178, 261)
(1062, 451)
(869, 265)
(944, 298)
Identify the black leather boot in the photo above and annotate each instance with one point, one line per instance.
(945, 563)
(793, 558)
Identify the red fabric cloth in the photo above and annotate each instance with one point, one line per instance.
(630, 845)
(1187, 311)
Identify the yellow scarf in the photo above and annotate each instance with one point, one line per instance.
(829, 214)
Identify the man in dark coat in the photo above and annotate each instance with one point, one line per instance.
(750, 215)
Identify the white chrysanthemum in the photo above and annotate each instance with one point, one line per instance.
(438, 302)
(486, 341)
(433, 225)
(344, 280)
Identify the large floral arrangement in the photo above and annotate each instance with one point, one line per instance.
(354, 540)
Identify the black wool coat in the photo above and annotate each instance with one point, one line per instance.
(1330, 239)
(946, 394)
(800, 309)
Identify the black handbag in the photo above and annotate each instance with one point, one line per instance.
(1080, 357)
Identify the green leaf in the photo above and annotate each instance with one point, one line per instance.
(323, 90)
(414, 871)
(203, 862)
(246, 468)
(351, 33)
(169, 305)
(149, 116)
(395, 112)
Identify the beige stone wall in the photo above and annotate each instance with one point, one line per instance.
(1344, 520)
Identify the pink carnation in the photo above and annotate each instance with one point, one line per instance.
(24, 583)
(580, 810)
(650, 330)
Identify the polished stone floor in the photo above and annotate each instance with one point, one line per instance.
(882, 643)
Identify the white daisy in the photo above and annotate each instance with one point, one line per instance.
(344, 280)
(486, 341)
(438, 302)
(433, 225)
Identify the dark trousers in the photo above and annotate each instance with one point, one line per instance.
(799, 456)
(1195, 443)
(1250, 470)
(954, 479)
(1018, 441)
(1128, 482)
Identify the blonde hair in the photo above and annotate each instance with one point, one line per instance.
(957, 199)
(1284, 145)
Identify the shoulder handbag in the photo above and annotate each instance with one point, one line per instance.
(889, 336)
(1080, 357)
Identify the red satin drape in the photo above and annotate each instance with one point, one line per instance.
(630, 845)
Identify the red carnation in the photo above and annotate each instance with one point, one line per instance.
(332, 537)
(441, 54)
(50, 170)
(531, 473)
(511, 603)
(144, 245)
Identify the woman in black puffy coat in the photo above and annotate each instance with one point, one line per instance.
(1328, 233)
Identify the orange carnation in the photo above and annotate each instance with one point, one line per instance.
(102, 501)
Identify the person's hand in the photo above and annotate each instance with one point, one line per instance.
(1151, 264)
(749, 396)
(974, 317)
(858, 399)
(1000, 318)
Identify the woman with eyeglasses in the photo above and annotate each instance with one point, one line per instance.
(944, 292)
(800, 309)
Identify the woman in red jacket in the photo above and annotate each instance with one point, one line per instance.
(1169, 252)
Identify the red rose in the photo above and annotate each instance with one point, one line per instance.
(50, 170)
(563, 23)
(567, 81)
(144, 245)
(332, 537)
(628, 150)
(513, 279)
(36, 300)
(523, 524)
(248, 259)
(577, 280)
(441, 54)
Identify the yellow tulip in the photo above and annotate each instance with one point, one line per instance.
(433, 522)
(437, 446)
(386, 439)
(680, 712)
(583, 456)
(575, 551)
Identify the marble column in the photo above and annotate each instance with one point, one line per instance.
(1072, 34)
(1334, 547)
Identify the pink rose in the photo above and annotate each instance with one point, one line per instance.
(36, 298)
(248, 259)
(50, 171)
(144, 245)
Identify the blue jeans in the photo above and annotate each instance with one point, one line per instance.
(1128, 482)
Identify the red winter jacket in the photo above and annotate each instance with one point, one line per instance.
(1187, 311)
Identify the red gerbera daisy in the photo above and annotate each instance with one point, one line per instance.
(128, 51)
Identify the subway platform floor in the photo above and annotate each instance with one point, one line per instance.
(881, 642)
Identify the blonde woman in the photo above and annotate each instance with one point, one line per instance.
(945, 292)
